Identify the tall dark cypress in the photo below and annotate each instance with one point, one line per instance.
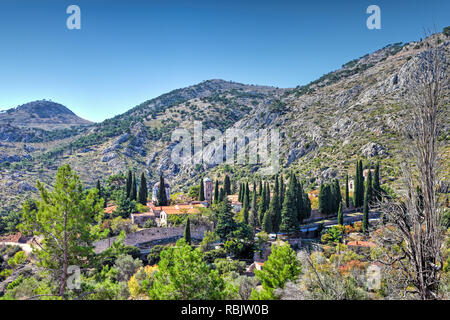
(337, 197)
(267, 196)
(376, 187)
(133, 193)
(347, 199)
(143, 191)
(129, 182)
(240, 197)
(369, 187)
(282, 190)
(289, 220)
(222, 195)
(361, 184)
(262, 207)
(247, 193)
(216, 192)
(201, 192)
(340, 216)
(366, 211)
(187, 231)
(253, 216)
(162, 196)
(275, 208)
(227, 185)
(260, 188)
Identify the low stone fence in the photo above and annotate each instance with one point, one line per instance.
(151, 235)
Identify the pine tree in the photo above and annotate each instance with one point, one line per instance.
(307, 206)
(162, 196)
(201, 193)
(289, 220)
(187, 231)
(340, 215)
(129, 183)
(143, 191)
(133, 193)
(347, 199)
(227, 185)
(216, 192)
(240, 198)
(226, 224)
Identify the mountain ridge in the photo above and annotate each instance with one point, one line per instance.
(350, 113)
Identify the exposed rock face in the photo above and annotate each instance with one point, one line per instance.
(323, 127)
(372, 149)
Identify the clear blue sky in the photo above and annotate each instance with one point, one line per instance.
(129, 51)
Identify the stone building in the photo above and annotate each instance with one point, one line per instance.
(208, 189)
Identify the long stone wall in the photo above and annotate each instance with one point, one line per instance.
(149, 235)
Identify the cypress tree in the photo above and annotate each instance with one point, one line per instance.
(247, 195)
(253, 217)
(325, 199)
(347, 199)
(306, 206)
(129, 182)
(274, 207)
(262, 207)
(133, 193)
(240, 198)
(267, 196)
(369, 187)
(187, 231)
(337, 197)
(162, 196)
(289, 219)
(361, 184)
(340, 215)
(366, 211)
(282, 190)
(201, 193)
(260, 188)
(376, 187)
(216, 192)
(143, 191)
(222, 196)
(267, 222)
(227, 185)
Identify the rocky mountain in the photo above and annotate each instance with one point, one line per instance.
(351, 113)
(39, 121)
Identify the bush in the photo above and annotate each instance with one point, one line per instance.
(153, 256)
(150, 223)
(18, 259)
(212, 255)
